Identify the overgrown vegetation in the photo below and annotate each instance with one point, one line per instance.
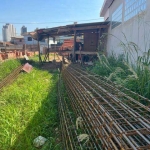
(131, 70)
(28, 108)
(8, 66)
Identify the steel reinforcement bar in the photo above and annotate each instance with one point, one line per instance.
(69, 132)
(143, 100)
(110, 122)
(67, 125)
(134, 103)
(10, 78)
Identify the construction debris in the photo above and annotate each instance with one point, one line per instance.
(83, 137)
(79, 122)
(10, 78)
(27, 68)
(113, 119)
(26, 57)
(39, 141)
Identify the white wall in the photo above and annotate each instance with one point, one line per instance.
(33, 41)
(29, 42)
(136, 29)
(106, 14)
(42, 44)
(17, 41)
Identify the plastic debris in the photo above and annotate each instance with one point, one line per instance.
(26, 57)
(82, 137)
(79, 122)
(27, 68)
(39, 141)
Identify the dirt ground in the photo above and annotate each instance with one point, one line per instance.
(54, 62)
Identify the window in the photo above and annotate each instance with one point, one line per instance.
(43, 40)
(29, 38)
(117, 17)
(133, 7)
(20, 40)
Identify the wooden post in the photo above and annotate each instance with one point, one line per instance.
(48, 48)
(38, 47)
(74, 47)
(99, 34)
(54, 39)
(54, 52)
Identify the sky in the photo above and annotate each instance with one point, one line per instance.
(48, 13)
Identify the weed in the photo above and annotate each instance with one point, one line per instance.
(29, 109)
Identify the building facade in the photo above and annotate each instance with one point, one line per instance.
(129, 25)
(28, 40)
(17, 40)
(8, 31)
(23, 30)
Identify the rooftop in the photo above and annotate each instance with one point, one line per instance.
(17, 37)
(105, 6)
(68, 30)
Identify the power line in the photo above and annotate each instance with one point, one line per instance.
(51, 22)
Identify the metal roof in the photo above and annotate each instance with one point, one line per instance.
(67, 30)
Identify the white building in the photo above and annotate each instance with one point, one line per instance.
(129, 24)
(28, 40)
(8, 31)
(17, 40)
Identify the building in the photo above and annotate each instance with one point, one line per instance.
(5, 44)
(61, 39)
(18, 40)
(8, 31)
(30, 41)
(23, 30)
(90, 34)
(129, 25)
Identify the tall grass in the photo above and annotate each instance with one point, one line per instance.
(127, 70)
(7, 67)
(28, 108)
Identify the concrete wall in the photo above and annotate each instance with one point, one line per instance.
(29, 42)
(106, 16)
(136, 29)
(33, 42)
(18, 41)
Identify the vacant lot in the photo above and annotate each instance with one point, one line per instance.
(28, 108)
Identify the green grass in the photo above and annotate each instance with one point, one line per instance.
(121, 70)
(28, 108)
(7, 67)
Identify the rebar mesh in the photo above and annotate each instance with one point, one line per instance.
(112, 118)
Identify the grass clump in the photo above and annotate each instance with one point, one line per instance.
(28, 108)
(7, 67)
(132, 73)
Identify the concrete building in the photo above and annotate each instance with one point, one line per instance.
(8, 31)
(17, 40)
(30, 41)
(129, 25)
(23, 30)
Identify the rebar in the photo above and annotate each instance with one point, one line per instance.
(112, 119)
(10, 78)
